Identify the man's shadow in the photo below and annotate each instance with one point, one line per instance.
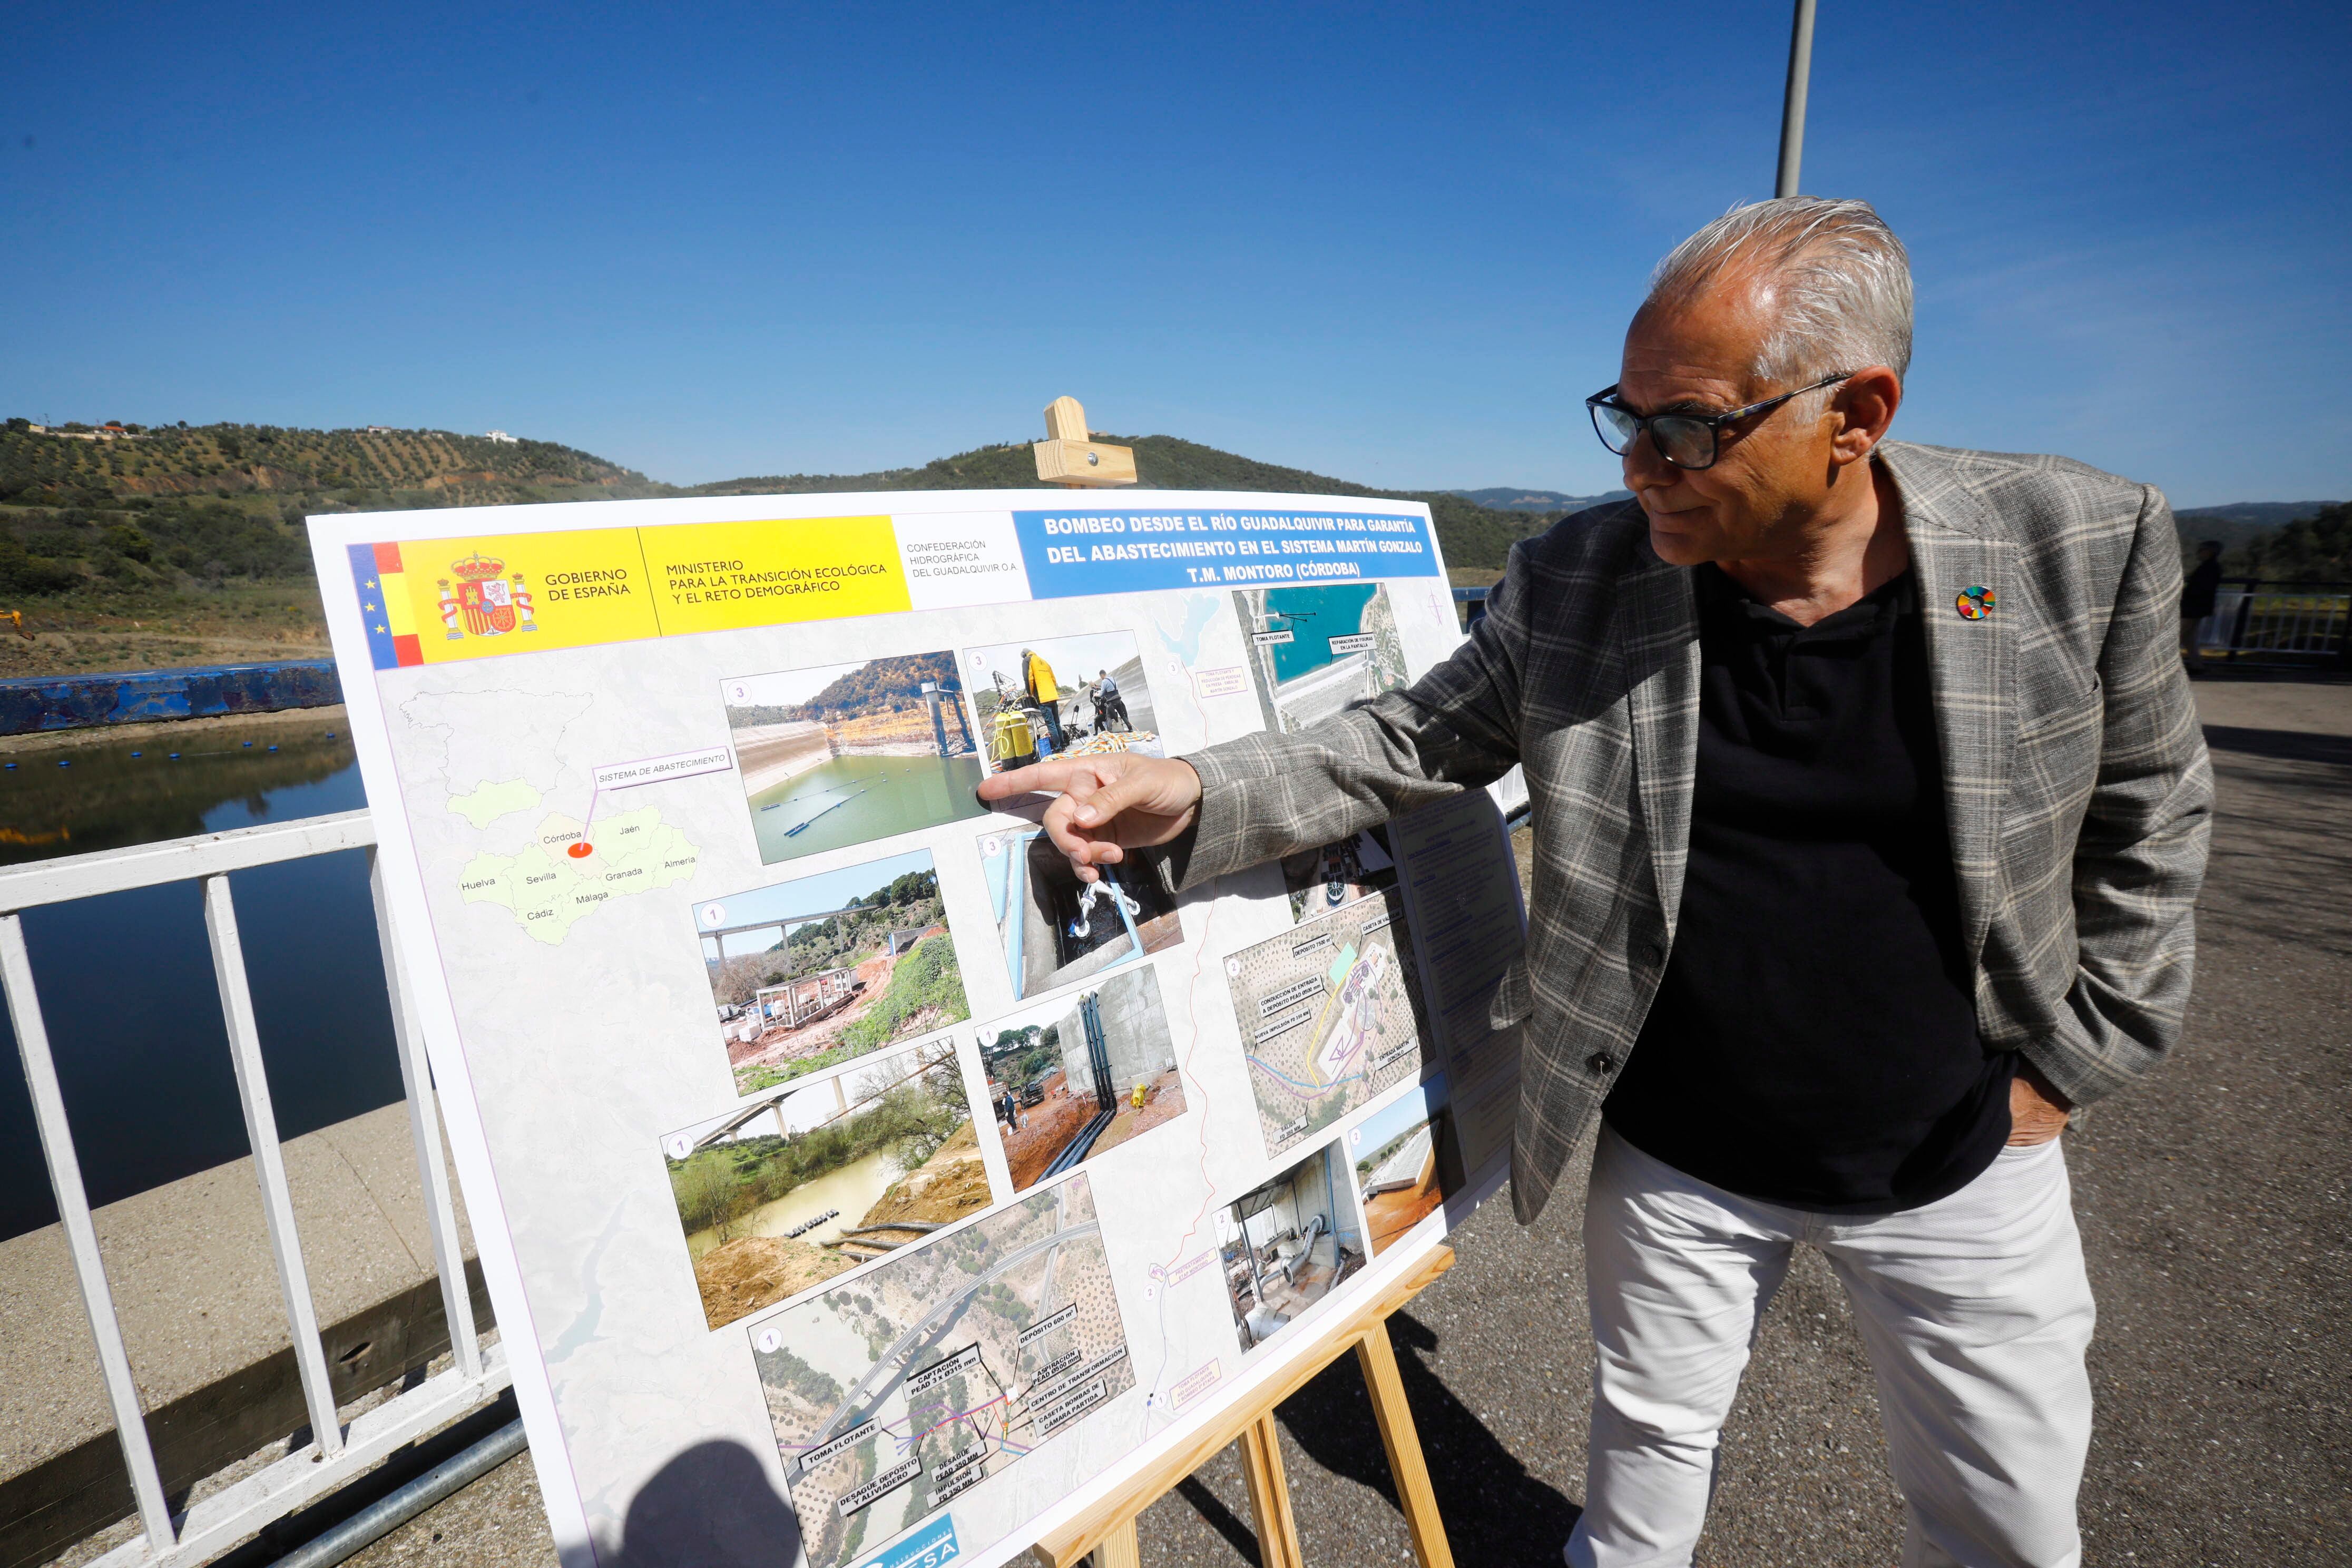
(1495, 1512)
(709, 1507)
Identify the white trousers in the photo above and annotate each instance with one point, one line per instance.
(1975, 1310)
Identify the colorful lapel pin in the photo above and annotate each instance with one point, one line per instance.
(1974, 603)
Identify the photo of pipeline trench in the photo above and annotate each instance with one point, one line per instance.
(1081, 1075)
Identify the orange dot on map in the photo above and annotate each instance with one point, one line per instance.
(581, 851)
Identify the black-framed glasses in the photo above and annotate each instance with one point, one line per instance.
(1685, 440)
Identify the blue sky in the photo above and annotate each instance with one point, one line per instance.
(1396, 244)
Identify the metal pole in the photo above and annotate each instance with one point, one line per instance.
(1792, 107)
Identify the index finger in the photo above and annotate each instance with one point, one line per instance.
(1037, 778)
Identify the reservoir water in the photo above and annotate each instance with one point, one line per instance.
(126, 982)
(851, 1189)
(854, 799)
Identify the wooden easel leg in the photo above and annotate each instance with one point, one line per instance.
(1378, 1358)
(1120, 1549)
(1269, 1495)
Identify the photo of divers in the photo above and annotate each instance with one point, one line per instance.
(1288, 1244)
(1081, 1075)
(1074, 696)
(843, 753)
(1057, 930)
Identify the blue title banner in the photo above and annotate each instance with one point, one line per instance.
(1073, 553)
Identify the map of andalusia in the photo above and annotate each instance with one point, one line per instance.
(568, 874)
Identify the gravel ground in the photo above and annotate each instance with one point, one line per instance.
(2212, 1204)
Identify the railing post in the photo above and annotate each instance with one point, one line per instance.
(270, 1162)
(82, 1235)
(425, 1128)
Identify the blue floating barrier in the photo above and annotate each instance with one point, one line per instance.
(65, 761)
(137, 753)
(248, 745)
(175, 756)
(273, 748)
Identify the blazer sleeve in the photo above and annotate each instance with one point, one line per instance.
(1267, 795)
(2140, 858)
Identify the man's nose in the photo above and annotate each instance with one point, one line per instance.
(1644, 468)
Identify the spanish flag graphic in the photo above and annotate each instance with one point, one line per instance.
(384, 603)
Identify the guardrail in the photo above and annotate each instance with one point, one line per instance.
(2253, 622)
(2261, 623)
(339, 1449)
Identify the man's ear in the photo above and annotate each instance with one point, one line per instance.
(1867, 400)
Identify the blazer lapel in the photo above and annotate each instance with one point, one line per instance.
(1662, 670)
(1971, 660)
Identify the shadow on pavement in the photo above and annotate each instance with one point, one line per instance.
(2283, 746)
(1496, 1513)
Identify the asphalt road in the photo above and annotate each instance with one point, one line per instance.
(2212, 1200)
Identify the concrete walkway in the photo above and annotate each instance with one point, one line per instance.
(193, 1281)
(2213, 1206)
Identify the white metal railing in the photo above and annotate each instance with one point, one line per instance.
(2277, 620)
(338, 1450)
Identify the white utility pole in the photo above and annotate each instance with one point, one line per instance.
(1792, 107)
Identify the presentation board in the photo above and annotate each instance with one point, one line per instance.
(852, 1185)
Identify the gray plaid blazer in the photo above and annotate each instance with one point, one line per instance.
(2075, 779)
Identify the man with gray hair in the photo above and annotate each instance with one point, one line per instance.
(1869, 810)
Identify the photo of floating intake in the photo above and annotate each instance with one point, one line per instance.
(843, 754)
(808, 974)
(1081, 1075)
(1057, 930)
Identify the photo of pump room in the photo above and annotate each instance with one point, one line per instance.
(1055, 930)
(1081, 1075)
(1288, 1244)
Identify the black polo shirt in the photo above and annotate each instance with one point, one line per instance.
(1813, 1042)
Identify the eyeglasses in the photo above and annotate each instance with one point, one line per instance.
(1685, 440)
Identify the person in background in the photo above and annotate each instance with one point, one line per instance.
(1108, 708)
(1037, 681)
(2197, 596)
(1870, 810)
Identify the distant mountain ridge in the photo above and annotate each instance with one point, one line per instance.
(117, 514)
(1502, 497)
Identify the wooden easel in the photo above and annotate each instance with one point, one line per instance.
(1068, 456)
(1108, 1530)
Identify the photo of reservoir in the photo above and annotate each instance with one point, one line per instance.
(809, 974)
(1061, 697)
(844, 754)
(1055, 929)
(1408, 1162)
(785, 1194)
(1081, 1075)
(1319, 651)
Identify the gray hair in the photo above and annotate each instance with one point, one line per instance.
(1840, 282)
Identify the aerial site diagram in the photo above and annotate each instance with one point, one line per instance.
(897, 1390)
(1330, 1015)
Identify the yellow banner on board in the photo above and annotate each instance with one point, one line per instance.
(722, 576)
(519, 593)
(448, 599)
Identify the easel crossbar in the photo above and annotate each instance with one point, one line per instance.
(1110, 1524)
